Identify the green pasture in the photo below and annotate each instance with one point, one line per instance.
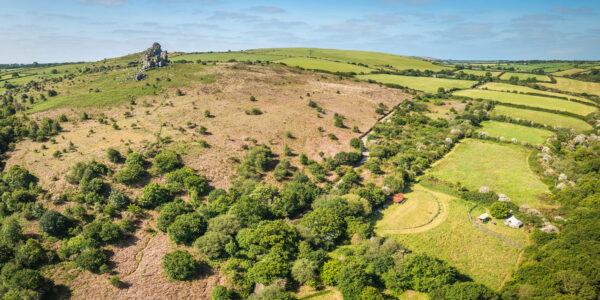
(480, 72)
(524, 76)
(502, 167)
(520, 132)
(542, 117)
(426, 84)
(228, 56)
(321, 64)
(372, 59)
(505, 87)
(479, 255)
(529, 100)
(574, 86)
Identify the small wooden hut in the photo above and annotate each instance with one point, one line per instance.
(399, 198)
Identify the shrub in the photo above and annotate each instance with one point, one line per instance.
(54, 223)
(254, 111)
(32, 254)
(19, 178)
(213, 244)
(113, 155)
(76, 245)
(332, 137)
(169, 212)
(356, 143)
(167, 161)
(500, 210)
(118, 199)
(252, 98)
(91, 259)
(131, 174)
(304, 270)
(154, 195)
(180, 265)
(115, 281)
(188, 179)
(187, 228)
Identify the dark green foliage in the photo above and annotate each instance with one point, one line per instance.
(26, 279)
(19, 178)
(154, 195)
(356, 143)
(131, 174)
(186, 178)
(295, 197)
(114, 155)
(187, 228)
(220, 292)
(250, 210)
(118, 199)
(167, 161)
(269, 237)
(352, 278)
(225, 224)
(169, 212)
(370, 293)
(326, 225)
(75, 246)
(91, 259)
(425, 273)
(31, 254)
(347, 158)
(102, 231)
(115, 281)
(10, 232)
(258, 159)
(269, 268)
(500, 210)
(254, 111)
(283, 170)
(213, 244)
(464, 291)
(83, 171)
(180, 265)
(54, 223)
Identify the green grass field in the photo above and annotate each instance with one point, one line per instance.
(502, 167)
(542, 118)
(472, 251)
(426, 84)
(524, 76)
(569, 72)
(116, 89)
(227, 56)
(420, 208)
(529, 100)
(480, 72)
(372, 59)
(574, 86)
(321, 64)
(520, 132)
(505, 87)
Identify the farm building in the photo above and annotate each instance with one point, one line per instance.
(513, 222)
(483, 217)
(399, 198)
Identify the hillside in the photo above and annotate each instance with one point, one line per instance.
(305, 173)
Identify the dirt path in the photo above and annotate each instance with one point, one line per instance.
(365, 150)
(491, 232)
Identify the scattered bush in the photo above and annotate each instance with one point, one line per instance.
(167, 161)
(54, 223)
(180, 265)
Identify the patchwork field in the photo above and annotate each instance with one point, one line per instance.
(480, 72)
(520, 132)
(426, 84)
(474, 252)
(372, 59)
(503, 168)
(574, 86)
(524, 76)
(321, 64)
(529, 100)
(505, 87)
(542, 118)
(569, 72)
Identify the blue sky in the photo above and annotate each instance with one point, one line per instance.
(74, 30)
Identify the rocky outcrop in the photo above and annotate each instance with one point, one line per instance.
(153, 57)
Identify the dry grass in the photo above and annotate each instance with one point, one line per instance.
(574, 86)
(281, 95)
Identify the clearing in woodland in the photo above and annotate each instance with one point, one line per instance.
(502, 167)
(478, 254)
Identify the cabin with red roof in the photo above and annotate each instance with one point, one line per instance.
(399, 198)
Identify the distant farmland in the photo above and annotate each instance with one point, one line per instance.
(534, 101)
(524, 76)
(541, 117)
(426, 84)
(321, 64)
